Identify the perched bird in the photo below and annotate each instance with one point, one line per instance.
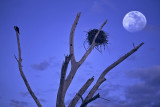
(16, 29)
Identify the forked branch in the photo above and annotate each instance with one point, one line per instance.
(75, 65)
(101, 78)
(90, 100)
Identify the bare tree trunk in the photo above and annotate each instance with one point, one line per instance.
(60, 95)
(22, 74)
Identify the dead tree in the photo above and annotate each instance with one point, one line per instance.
(65, 81)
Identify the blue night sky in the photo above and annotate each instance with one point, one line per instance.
(44, 35)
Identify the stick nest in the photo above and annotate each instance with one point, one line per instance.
(102, 38)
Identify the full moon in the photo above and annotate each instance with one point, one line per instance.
(134, 21)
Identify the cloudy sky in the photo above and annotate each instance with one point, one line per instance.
(44, 34)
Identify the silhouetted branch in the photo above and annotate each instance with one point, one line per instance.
(101, 78)
(71, 45)
(76, 65)
(81, 92)
(104, 99)
(91, 46)
(19, 60)
(90, 100)
(60, 95)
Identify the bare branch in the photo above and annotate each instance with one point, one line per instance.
(75, 65)
(90, 100)
(60, 95)
(104, 99)
(16, 58)
(98, 32)
(21, 71)
(133, 45)
(71, 45)
(81, 92)
(92, 45)
(101, 78)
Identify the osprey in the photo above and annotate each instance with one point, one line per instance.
(16, 29)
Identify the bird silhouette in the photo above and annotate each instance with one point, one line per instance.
(16, 29)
